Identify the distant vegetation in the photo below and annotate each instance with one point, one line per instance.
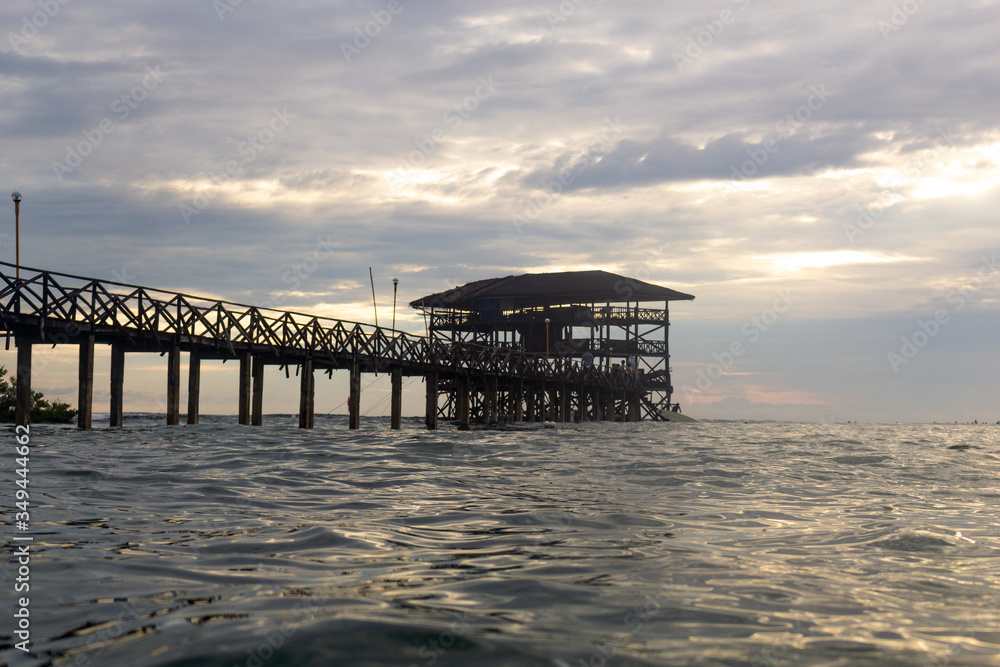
(41, 410)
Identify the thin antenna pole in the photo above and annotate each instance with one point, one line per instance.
(395, 284)
(374, 305)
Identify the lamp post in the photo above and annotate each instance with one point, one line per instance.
(547, 320)
(395, 284)
(16, 196)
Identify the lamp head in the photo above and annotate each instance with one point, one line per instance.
(16, 196)
(547, 320)
(395, 281)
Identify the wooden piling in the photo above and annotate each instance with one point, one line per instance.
(518, 400)
(431, 408)
(491, 390)
(307, 395)
(257, 400)
(635, 399)
(117, 383)
(354, 397)
(531, 411)
(174, 386)
(396, 411)
(85, 400)
(463, 403)
(22, 409)
(194, 386)
(564, 403)
(245, 375)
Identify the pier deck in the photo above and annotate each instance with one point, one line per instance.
(50, 308)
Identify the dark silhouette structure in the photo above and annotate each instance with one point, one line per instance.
(601, 321)
(44, 308)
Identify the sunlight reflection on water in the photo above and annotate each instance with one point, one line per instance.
(717, 543)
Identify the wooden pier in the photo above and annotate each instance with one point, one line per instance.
(49, 308)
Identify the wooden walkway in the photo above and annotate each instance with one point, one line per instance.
(48, 308)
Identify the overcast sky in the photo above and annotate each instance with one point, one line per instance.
(821, 176)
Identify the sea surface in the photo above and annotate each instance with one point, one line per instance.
(720, 543)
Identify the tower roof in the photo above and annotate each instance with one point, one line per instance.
(551, 289)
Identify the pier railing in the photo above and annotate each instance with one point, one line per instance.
(39, 303)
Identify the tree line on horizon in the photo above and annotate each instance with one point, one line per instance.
(42, 411)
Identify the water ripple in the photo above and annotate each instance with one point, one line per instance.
(719, 543)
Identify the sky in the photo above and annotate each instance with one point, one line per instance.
(822, 176)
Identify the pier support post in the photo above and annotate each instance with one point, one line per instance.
(396, 411)
(582, 403)
(22, 410)
(518, 400)
(463, 403)
(245, 373)
(354, 397)
(491, 390)
(85, 400)
(194, 386)
(257, 400)
(532, 401)
(307, 396)
(117, 383)
(635, 399)
(431, 409)
(564, 402)
(174, 386)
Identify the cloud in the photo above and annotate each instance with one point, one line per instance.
(690, 176)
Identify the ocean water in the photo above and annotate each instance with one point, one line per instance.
(721, 543)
